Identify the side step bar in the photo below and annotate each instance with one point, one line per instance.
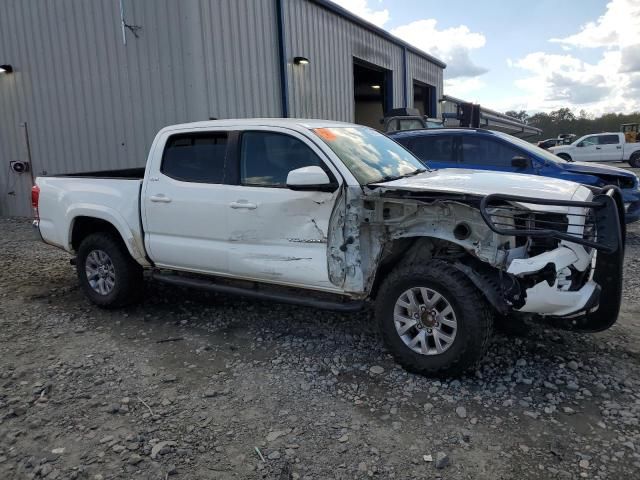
(280, 297)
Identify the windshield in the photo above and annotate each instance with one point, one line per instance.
(370, 156)
(530, 148)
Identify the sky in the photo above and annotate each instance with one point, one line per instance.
(535, 55)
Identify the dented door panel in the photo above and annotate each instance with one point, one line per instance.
(283, 239)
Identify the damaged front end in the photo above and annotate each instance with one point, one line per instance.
(558, 259)
(575, 276)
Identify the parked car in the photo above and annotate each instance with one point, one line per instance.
(601, 147)
(333, 215)
(489, 150)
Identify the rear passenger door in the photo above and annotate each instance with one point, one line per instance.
(276, 234)
(185, 203)
(435, 150)
(610, 148)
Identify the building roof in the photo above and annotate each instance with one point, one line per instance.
(377, 30)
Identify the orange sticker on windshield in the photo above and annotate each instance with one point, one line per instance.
(326, 134)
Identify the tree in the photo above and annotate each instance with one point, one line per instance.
(564, 120)
(521, 115)
(562, 115)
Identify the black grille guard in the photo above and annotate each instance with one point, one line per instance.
(608, 210)
(607, 218)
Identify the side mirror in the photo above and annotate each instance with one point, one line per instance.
(520, 162)
(310, 179)
(580, 144)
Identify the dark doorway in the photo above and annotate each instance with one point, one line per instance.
(424, 98)
(372, 93)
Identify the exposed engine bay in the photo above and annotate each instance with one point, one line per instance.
(555, 259)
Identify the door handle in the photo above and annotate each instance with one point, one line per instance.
(160, 198)
(598, 148)
(243, 204)
(618, 147)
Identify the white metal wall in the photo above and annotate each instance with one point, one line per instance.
(92, 103)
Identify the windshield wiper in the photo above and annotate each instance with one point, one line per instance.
(391, 178)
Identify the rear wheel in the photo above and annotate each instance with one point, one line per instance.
(634, 161)
(433, 320)
(107, 273)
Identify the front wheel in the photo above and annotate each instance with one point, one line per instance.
(107, 273)
(565, 156)
(634, 161)
(433, 320)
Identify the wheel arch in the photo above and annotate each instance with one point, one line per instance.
(409, 250)
(83, 223)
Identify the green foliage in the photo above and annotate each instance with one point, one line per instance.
(564, 120)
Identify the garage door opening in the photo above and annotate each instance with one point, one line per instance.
(424, 98)
(372, 93)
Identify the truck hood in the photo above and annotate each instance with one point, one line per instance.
(482, 183)
(560, 148)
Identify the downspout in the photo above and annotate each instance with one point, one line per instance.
(405, 79)
(284, 88)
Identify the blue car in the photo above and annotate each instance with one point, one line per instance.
(488, 150)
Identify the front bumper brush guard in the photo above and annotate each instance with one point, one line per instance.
(607, 215)
(609, 240)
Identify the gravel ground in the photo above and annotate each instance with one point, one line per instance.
(191, 385)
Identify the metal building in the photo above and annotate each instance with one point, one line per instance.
(93, 80)
(88, 83)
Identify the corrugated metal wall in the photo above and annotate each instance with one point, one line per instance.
(324, 88)
(423, 70)
(92, 103)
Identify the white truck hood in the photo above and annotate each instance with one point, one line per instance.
(483, 182)
(560, 148)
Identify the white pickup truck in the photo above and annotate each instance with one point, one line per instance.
(601, 147)
(338, 216)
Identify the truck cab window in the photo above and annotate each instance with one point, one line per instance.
(195, 157)
(589, 141)
(266, 158)
(609, 140)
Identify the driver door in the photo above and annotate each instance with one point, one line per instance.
(276, 234)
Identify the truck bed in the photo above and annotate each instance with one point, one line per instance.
(112, 196)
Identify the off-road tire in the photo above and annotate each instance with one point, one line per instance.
(634, 161)
(128, 273)
(472, 312)
(565, 156)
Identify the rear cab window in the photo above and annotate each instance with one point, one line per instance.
(609, 139)
(196, 157)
